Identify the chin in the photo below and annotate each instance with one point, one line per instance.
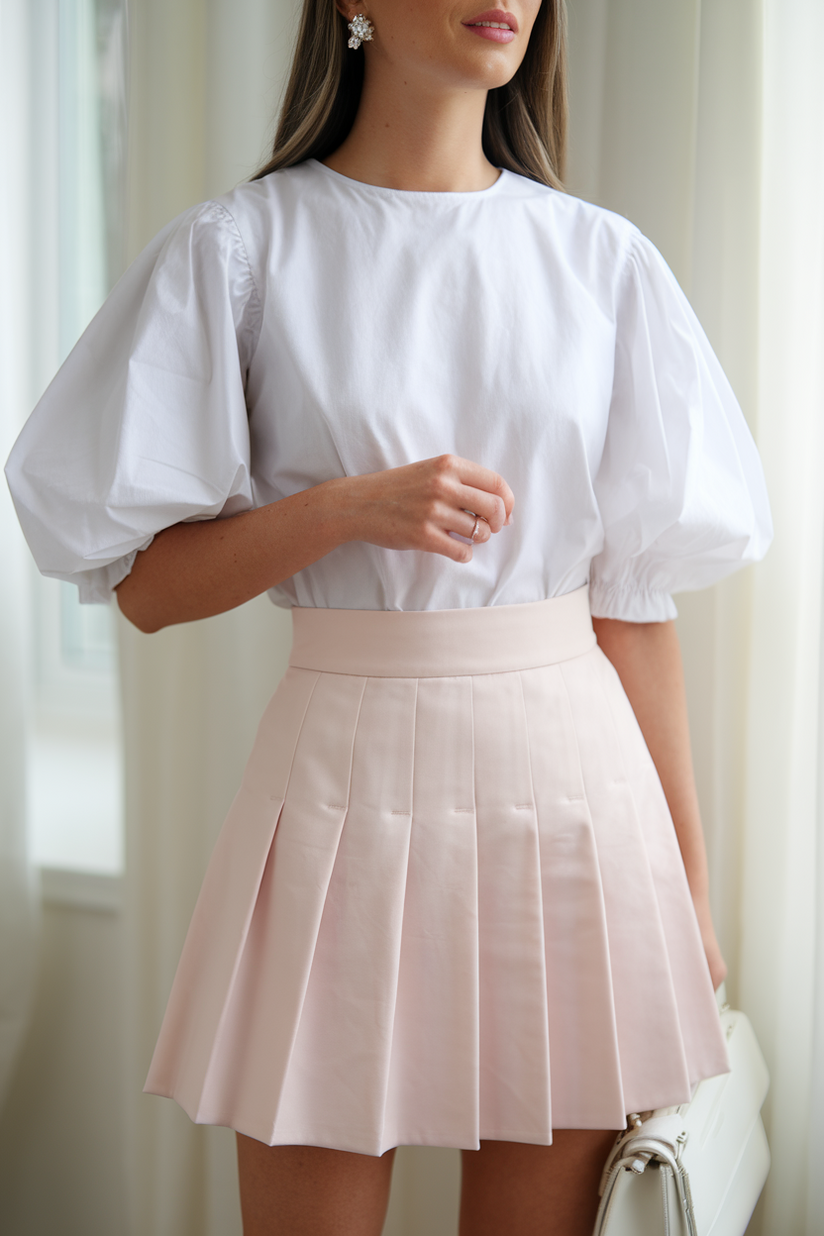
(486, 72)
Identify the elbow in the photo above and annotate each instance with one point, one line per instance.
(147, 627)
(144, 624)
(138, 615)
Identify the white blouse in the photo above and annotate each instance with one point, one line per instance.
(309, 326)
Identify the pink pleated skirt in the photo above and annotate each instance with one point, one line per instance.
(448, 901)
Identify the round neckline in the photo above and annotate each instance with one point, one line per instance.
(426, 195)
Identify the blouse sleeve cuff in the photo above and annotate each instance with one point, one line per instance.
(96, 586)
(630, 604)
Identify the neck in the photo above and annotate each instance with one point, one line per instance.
(412, 136)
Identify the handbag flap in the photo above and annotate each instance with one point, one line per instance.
(644, 1205)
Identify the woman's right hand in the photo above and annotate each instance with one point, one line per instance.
(194, 570)
(418, 505)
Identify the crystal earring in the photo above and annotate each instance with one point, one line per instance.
(362, 30)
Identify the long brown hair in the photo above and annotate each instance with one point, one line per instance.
(524, 123)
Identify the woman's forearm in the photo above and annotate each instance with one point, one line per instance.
(196, 570)
(647, 658)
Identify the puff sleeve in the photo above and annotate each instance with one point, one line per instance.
(680, 486)
(145, 424)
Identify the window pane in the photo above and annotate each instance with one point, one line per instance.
(75, 780)
(86, 634)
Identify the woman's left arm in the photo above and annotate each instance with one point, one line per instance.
(647, 658)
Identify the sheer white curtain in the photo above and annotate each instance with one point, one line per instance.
(703, 120)
(205, 79)
(666, 129)
(17, 892)
(782, 942)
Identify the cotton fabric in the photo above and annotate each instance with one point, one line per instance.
(445, 906)
(310, 326)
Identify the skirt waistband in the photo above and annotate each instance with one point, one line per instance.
(442, 643)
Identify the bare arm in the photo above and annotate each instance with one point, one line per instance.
(195, 570)
(647, 657)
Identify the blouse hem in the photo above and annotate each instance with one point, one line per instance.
(629, 604)
(96, 587)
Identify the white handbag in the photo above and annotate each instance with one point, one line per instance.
(697, 1169)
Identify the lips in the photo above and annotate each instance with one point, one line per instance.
(494, 23)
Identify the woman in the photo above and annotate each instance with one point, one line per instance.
(461, 897)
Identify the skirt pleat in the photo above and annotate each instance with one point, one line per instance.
(434, 1064)
(587, 1084)
(443, 907)
(513, 1014)
(648, 1032)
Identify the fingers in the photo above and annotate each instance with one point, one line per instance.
(440, 542)
(474, 502)
(462, 526)
(488, 506)
(471, 487)
(471, 527)
(496, 500)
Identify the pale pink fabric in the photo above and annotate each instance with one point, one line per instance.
(447, 903)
